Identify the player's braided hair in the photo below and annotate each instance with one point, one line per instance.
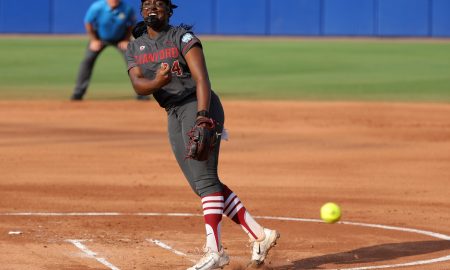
(139, 29)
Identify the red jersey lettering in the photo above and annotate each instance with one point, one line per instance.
(157, 56)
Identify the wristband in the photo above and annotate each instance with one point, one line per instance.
(203, 113)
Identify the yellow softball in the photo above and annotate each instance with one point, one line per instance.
(330, 212)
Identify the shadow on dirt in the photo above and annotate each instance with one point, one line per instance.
(377, 253)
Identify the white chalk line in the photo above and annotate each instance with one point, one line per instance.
(46, 214)
(106, 214)
(169, 248)
(179, 253)
(415, 263)
(91, 254)
(385, 227)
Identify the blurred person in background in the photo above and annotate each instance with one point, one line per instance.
(108, 23)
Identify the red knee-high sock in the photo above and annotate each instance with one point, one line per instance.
(212, 212)
(235, 210)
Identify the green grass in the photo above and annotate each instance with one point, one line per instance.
(417, 71)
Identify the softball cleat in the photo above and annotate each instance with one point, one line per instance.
(212, 260)
(260, 249)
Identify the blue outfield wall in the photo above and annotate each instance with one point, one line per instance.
(441, 18)
(202, 17)
(68, 16)
(25, 16)
(421, 18)
(295, 17)
(242, 17)
(359, 17)
(404, 18)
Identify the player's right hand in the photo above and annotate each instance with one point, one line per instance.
(163, 75)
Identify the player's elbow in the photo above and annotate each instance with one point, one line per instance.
(140, 91)
(141, 88)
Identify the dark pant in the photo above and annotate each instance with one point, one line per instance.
(201, 175)
(86, 67)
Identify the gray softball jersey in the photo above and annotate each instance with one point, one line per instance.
(169, 47)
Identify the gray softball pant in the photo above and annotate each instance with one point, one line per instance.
(201, 175)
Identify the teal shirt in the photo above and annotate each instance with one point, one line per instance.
(110, 24)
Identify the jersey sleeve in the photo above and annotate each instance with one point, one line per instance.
(129, 56)
(185, 40)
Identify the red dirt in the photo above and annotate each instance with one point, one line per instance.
(384, 163)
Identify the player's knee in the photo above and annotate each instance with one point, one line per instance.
(205, 190)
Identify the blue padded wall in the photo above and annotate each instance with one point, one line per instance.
(294, 17)
(252, 17)
(238, 17)
(404, 17)
(1, 20)
(68, 16)
(25, 16)
(349, 17)
(136, 4)
(199, 13)
(441, 18)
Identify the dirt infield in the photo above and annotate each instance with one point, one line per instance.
(90, 168)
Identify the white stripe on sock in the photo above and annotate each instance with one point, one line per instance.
(232, 214)
(230, 207)
(231, 197)
(212, 198)
(213, 204)
(212, 211)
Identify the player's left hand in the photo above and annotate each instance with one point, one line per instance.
(202, 139)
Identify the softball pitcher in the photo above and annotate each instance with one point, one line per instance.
(168, 63)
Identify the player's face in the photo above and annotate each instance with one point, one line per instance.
(157, 8)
